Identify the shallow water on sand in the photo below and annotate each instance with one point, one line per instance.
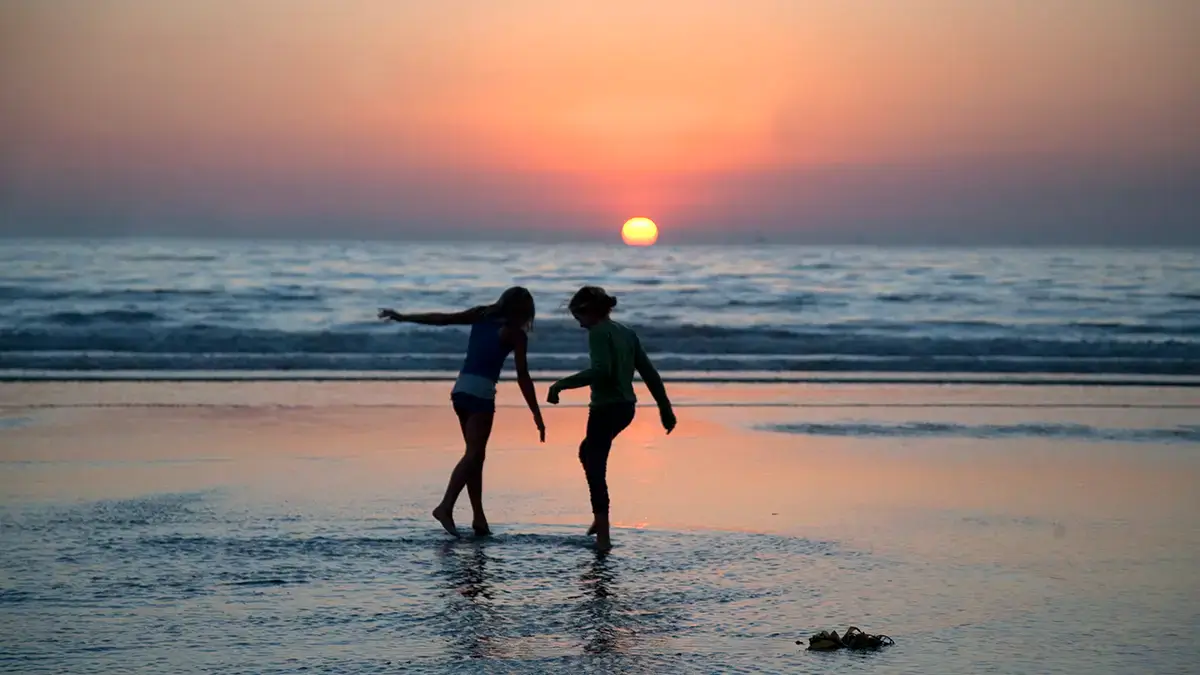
(134, 543)
(193, 583)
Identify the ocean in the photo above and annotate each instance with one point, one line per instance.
(252, 309)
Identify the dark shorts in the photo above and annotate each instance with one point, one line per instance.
(466, 404)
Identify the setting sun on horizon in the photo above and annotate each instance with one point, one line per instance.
(639, 232)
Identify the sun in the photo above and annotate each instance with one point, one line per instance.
(639, 232)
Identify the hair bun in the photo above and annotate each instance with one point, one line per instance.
(592, 298)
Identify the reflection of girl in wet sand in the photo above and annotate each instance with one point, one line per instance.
(496, 330)
(602, 620)
(472, 617)
(615, 352)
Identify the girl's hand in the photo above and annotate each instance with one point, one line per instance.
(668, 419)
(552, 395)
(389, 314)
(541, 427)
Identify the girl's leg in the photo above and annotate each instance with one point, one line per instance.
(477, 431)
(476, 428)
(604, 424)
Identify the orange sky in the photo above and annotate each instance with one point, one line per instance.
(628, 97)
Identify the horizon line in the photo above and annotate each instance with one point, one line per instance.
(754, 241)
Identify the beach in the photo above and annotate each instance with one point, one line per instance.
(282, 527)
(922, 281)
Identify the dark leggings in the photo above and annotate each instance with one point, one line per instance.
(604, 423)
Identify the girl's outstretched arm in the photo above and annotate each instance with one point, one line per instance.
(437, 318)
(520, 342)
(645, 368)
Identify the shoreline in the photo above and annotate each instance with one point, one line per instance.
(813, 397)
(13, 376)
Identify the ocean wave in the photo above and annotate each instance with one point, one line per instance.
(793, 300)
(40, 292)
(84, 340)
(267, 295)
(930, 298)
(117, 316)
(172, 257)
(126, 331)
(448, 362)
(1120, 327)
(1071, 299)
(1179, 434)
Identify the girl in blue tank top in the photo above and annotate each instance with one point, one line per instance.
(496, 331)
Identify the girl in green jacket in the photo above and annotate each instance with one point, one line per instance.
(615, 353)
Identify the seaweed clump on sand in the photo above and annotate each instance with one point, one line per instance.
(853, 638)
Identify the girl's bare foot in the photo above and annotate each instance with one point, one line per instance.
(600, 529)
(443, 516)
(481, 528)
(603, 542)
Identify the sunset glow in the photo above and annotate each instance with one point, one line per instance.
(538, 115)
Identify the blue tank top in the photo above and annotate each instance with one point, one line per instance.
(486, 353)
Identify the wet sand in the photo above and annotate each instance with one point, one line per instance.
(1010, 529)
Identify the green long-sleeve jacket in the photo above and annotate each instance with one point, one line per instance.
(615, 353)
